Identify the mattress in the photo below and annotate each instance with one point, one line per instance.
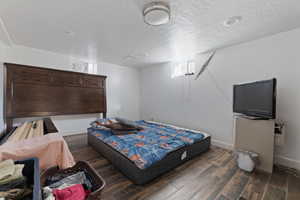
(180, 151)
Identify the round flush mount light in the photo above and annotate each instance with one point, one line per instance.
(156, 13)
(136, 56)
(70, 33)
(232, 21)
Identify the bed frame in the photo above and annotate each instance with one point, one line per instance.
(143, 176)
(31, 91)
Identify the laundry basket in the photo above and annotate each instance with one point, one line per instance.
(96, 180)
(31, 171)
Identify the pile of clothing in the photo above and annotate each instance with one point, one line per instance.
(13, 185)
(68, 186)
(118, 126)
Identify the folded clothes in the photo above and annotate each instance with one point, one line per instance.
(90, 180)
(129, 123)
(15, 194)
(47, 194)
(7, 169)
(74, 192)
(12, 194)
(12, 182)
(78, 178)
(17, 183)
(17, 174)
(57, 177)
(103, 123)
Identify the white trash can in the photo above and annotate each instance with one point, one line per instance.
(247, 160)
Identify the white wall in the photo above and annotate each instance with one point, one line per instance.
(1, 87)
(205, 104)
(122, 86)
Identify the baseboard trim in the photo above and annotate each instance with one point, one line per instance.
(279, 159)
(222, 144)
(287, 162)
(72, 133)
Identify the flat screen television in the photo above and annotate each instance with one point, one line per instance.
(257, 99)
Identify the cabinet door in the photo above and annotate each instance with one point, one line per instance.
(256, 136)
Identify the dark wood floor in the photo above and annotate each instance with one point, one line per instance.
(213, 175)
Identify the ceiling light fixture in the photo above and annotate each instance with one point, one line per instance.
(129, 58)
(70, 33)
(232, 21)
(136, 56)
(156, 13)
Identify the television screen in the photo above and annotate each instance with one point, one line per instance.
(256, 99)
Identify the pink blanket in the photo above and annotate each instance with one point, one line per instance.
(51, 149)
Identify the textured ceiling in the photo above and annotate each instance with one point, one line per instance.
(114, 31)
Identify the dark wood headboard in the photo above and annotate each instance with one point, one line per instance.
(38, 92)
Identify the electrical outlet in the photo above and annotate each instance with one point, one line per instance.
(279, 134)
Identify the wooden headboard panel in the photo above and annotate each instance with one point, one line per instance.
(37, 92)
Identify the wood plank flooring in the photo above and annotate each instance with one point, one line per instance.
(212, 176)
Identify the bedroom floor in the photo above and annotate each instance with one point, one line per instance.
(214, 175)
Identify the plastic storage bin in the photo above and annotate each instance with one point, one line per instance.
(97, 181)
(31, 171)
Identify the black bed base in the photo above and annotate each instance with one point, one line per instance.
(143, 176)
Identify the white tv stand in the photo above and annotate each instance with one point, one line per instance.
(257, 136)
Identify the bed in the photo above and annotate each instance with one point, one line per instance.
(136, 162)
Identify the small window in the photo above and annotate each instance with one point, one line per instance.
(92, 68)
(178, 70)
(183, 68)
(85, 67)
(191, 68)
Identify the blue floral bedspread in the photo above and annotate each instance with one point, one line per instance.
(151, 144)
